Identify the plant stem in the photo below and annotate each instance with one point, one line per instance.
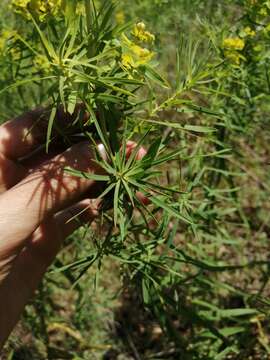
(89, 23)
(88, 9)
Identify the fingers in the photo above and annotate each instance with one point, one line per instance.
(33, 261)
(20, 136)
(42, 193)
(142, 198)
(81, 213)
(47, 240)
(131, 146)
(10, 173)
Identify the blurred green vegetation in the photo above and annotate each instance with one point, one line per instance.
(197, 293)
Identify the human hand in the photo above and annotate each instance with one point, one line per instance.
(36, 199)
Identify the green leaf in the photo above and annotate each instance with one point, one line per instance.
(229, 313)
(151, 153)
(74, 265)
(50, 52)
(121, 80)
(199, 129)
(85, 175)
(223, 354)
(129, 192)
(102, 135)
(162, 188)
(155, 76)
(145, 291)
(194, 128)
(116, 201)
(171, 156)
(135, 151)
(109, 98)
(169, 209)
(62, 91)
(230, 331)
(203, 110)
(50, 126)
(99, 81)
(24, 82)
(70, 10)
(107, 190)
(72, 101)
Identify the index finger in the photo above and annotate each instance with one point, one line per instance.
(21, 135)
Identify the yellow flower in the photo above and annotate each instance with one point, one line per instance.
(141, 34)
(134, 55)
(21, 3)
(137, 50)
(232, 47)
(41, 8)
(140, 26)
(234, 56)
(249, 32)
(127, 61)
(234, 43)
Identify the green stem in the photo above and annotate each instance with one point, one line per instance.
(88, 9)
(89, 24)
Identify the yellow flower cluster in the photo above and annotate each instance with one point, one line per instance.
(262, 7)
(139, 57)
(249, 32)
(134, 55)
(141, 34)
(232, 48)
(234, 43)
(41, 8)
(234, 57)
(20, 3)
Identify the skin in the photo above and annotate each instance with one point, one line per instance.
(37, 200)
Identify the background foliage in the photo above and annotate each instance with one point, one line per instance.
(187, 276)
